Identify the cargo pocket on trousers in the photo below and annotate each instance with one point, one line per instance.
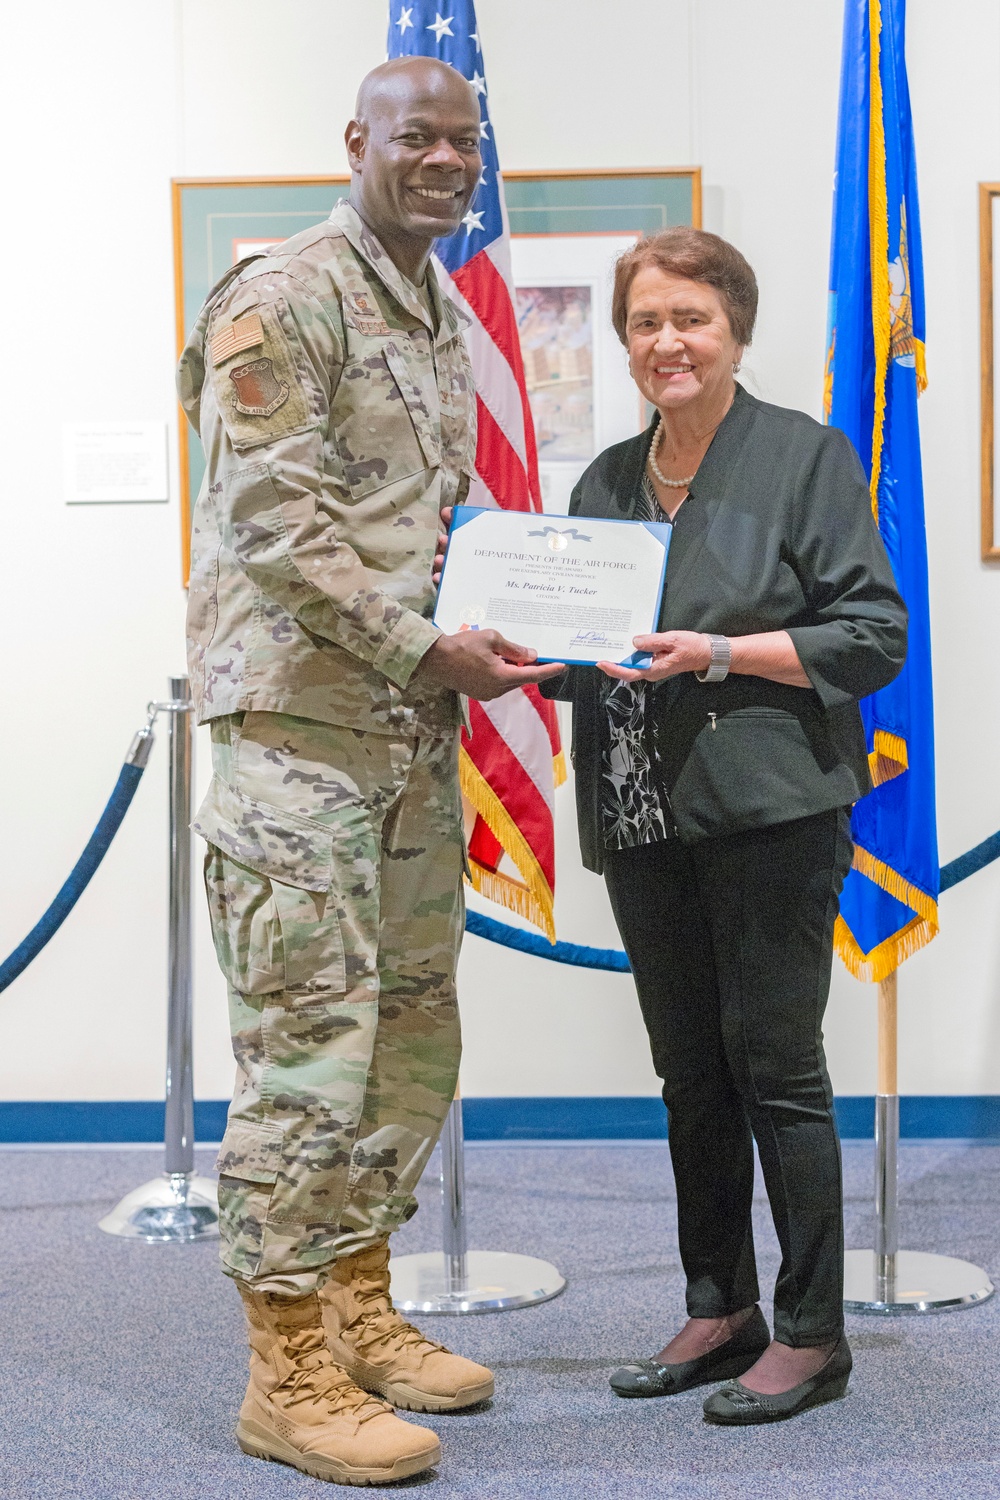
(250, 1152)
(268, 876)
(248, 1163)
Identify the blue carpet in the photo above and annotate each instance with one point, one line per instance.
(122, 1365)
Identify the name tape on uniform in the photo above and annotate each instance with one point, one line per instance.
(362, 314)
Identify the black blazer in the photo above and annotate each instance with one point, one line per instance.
(777, 533)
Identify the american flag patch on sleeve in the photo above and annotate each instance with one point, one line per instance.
(245, 333)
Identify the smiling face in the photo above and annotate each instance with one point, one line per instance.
(681, 347)
(414, 154)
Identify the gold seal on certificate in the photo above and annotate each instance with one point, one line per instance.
(575, 589)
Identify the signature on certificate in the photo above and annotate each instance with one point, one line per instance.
(592, 637)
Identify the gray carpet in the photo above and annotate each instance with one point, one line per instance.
(122, 1365)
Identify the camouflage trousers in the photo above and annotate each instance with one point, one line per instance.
(334, 879)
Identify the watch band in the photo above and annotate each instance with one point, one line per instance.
(722, 655)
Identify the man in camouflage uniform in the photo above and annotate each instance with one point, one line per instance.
(332, 391)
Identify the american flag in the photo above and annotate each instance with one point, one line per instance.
(512, 762)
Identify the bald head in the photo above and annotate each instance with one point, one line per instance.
(408, 80)
(413, 147)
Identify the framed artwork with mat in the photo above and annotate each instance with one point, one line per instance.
(567, 228)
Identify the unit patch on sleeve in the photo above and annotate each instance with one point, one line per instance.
(258, 392)
(258, 384)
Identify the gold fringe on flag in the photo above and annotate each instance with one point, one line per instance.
(531, 899)
(878, 232)
(881, 961)
(889, 758)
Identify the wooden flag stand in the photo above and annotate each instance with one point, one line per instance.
(887, 1279)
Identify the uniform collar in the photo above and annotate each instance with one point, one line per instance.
(450, 319)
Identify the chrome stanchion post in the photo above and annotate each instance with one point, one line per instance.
(887, 1279)
(178, 1206)
(456, 1243)
(886, 1195)
(178, 1125)
(460, 1280)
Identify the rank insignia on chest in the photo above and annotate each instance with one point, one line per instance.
(258, 392)
(362, 312)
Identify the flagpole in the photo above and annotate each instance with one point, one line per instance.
(471, 265)
(887, 1279)
(874, 374)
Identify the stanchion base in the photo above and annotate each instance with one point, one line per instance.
(924, 1284)
(171, 1210)
(497, 1282)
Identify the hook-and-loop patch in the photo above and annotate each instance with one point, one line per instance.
(245, 333)
(261, 398)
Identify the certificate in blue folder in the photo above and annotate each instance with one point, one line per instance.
(573, 588)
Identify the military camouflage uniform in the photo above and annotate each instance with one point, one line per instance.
(337, 414)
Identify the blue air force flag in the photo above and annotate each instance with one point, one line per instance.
(874, 371)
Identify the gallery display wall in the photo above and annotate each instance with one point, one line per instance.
(106, 102)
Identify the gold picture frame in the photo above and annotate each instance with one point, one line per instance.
(989, 192)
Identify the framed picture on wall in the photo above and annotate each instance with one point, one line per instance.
(989, 286)
(567, 230)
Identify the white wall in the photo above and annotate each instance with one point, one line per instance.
(103, 105)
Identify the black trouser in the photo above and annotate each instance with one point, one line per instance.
(731, 945)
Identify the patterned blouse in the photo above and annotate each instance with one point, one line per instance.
(632, 808)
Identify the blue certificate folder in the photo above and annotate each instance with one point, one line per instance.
(555, 551)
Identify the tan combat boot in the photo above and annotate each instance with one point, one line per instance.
(303, 1409)
(384, 1353)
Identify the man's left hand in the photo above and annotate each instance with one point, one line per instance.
(446, 515)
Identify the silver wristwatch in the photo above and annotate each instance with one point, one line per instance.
(722, 655)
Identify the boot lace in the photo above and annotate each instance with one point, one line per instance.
(315, 1377)
(379, 1325)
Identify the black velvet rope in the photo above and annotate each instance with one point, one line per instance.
(613, 959)
(97, 846)
(577, 954)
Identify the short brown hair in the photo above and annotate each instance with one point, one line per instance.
(697, 256)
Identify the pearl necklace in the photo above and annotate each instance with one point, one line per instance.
(672, 484)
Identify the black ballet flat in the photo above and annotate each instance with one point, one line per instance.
(649, 1378)
(735, 1406)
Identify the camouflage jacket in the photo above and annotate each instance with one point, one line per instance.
(335, 424)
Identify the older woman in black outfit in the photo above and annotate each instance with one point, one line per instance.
(713, 792)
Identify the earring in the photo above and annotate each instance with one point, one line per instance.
(737, 367)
